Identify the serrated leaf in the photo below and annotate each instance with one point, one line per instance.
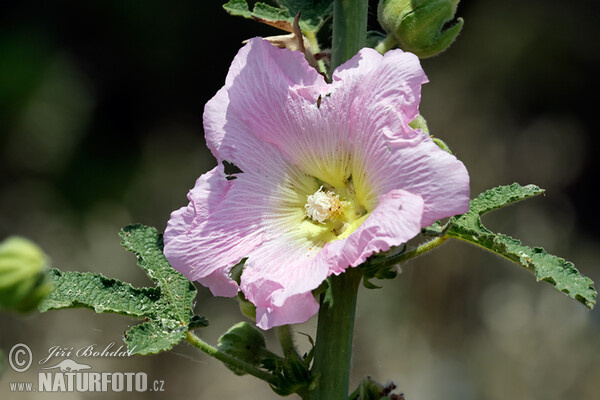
(176, 290)
(167, 308)
(313, 13)
(101, 294)
(153, 336)
(174, 309)
(560, 273)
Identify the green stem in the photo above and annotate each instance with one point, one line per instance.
(335, 329)
(386, 44)
(226, 358)
(349, 29)
(286, 341)
(421, 249)
(333, 348)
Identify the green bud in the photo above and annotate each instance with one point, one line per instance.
(442, 145)
(245, 343)
(416, 25)
(23, 278)
(247, 308)
(419, 123)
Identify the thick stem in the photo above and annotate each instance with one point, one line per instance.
(333, 348)
(349, 29)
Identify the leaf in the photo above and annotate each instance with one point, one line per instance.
(101, 294)
(314, 13)
(560, 273)
(381, 266)
(167, 308)
(177, 292)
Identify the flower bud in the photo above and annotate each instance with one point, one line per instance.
(243, 342)
(418, 25)
(23, 280)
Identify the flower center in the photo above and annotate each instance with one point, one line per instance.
(324, 206)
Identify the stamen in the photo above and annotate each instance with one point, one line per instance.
(323, 206)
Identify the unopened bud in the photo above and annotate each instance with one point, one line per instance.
(418, 25)
(23, 278)
(245, 343)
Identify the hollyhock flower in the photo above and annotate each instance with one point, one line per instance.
(331, 173)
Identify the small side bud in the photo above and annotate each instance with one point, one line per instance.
(418, 26)
(245, 343)
(23, 277)
(420, 123)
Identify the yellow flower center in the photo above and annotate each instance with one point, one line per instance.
(331, 213)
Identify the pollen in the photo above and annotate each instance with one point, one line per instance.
(324, 206)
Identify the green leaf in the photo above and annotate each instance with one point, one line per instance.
(314, 13)
(167, 308)
(177, 292)
(101, 294)
(381, 266)
(560, 273)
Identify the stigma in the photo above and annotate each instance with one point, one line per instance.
(324, 206)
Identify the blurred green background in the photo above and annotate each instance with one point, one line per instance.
(101, 126)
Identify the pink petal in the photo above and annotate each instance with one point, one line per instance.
(278, 278)
(368, 85)
(419, 166)
(253, 106)
(296, 309)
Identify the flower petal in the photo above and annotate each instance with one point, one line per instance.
(419, 166)
(278, 279)
(253, 106)
(369, 84)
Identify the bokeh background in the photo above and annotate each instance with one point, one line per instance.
(101, 126)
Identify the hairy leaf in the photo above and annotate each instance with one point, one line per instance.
(101, 294)
(167, 308)
(313, 13)
(546, 267)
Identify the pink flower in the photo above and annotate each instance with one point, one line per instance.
(331, 173)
